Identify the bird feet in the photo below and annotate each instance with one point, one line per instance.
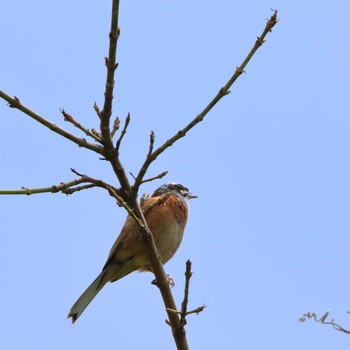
(169, 280)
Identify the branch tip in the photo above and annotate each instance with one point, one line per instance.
(76, 173)
(116, 125)
(93, 133)
(151, 142)
(97, 110)
(159, 176)
(123, 132)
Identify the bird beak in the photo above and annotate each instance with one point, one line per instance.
(190, 195)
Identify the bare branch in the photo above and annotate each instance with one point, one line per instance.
(97, 110)
(188, 275)
(14, 102)
(116, 125)
(69, 191)
(62, 187)
(195, 311)
(151, 143)
(159, 176)
(69, 118)
(222, 92)
(123, 132)
(323, 320)
(111, 65)
(113, 192)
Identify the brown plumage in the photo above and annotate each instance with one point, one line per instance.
(166, 219)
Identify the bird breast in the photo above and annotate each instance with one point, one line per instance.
(167, 223)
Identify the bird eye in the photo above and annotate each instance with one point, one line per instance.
(184, 192)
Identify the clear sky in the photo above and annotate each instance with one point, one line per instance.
(268, 235)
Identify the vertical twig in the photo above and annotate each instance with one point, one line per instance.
(184, 304)
(111, 66)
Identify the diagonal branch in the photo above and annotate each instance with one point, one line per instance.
(14, 102)
(69, 118)
(123, 132)
(159, 176)
(222, 92)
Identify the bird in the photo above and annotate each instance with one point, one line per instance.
(166, 213)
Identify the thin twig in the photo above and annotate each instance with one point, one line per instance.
(195, 311)
(159, 176)
(14, 102)
(69, 191)
(323, 320)
(69, 118)
(116, 125)
(62, 187)
(188, 275)
(222, 92)
(77, 173)
(151, 142)
(97, 110)
(111, 66)
(123, 132)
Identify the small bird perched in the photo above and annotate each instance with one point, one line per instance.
(166, 213)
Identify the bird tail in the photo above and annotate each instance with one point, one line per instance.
(86, 298)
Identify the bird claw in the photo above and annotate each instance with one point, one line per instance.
(169, 280)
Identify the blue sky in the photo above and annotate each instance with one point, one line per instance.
(268, 235)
